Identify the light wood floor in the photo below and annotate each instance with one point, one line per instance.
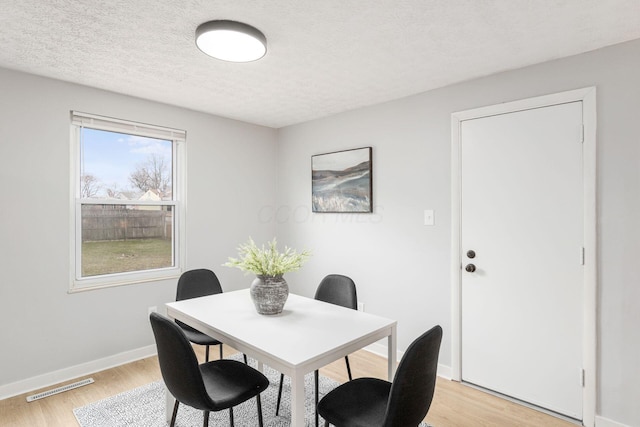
(454, 404)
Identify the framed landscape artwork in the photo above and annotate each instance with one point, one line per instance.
(341, 181)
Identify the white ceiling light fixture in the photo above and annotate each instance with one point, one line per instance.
(231, 41)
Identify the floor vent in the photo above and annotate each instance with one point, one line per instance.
(59, 390)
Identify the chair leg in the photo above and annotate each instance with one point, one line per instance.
(346, 359)
(260, 421)
(221, 351)
(231, 417)
(206, 354)
(206, 419)
(175, 413)
(279, 394)
(326, 423)
(246, 362)
(316, 374)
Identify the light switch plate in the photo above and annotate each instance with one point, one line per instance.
(429, 218)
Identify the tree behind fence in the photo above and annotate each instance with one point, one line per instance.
(105, 223)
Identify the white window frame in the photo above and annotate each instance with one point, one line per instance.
(178, 138)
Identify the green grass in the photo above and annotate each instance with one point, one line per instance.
(119, 256)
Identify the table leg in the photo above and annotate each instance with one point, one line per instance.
(297, 400)
(392, 348)
(169, 401)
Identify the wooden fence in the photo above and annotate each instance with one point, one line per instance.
(106, 223)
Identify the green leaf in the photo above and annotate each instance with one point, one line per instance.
(267, 261)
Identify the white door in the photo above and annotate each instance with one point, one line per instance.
(522, 216)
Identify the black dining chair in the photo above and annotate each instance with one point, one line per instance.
(193, 284)
(212, 386)
(373, 402)
(198, 283)
(334, 289)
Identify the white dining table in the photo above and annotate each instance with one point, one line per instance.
(306, 336)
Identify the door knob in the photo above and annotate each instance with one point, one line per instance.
(470, 268)
(471, 254)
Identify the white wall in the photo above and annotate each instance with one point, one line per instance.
(401, 267)
(45, 329)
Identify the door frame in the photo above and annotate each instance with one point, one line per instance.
(589, 318)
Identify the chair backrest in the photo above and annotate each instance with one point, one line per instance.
(178, 363)
(339, 290)
(415, 381)
(197, 283)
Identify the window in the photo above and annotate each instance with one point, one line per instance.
(127, 201)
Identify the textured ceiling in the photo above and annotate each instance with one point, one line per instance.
(324, 56)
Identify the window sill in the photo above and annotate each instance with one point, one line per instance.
(123, 279)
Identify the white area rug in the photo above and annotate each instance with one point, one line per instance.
(145, 407)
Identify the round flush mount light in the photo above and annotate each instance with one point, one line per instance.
(231, 41)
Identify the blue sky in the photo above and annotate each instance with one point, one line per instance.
(111, 156)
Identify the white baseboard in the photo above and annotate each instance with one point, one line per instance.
(605, 422)
(72, 372)
(444, 371)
